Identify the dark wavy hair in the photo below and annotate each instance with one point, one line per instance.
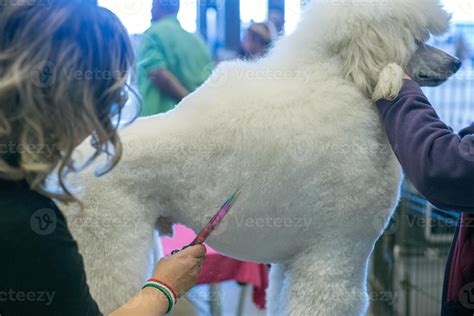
(64, 69)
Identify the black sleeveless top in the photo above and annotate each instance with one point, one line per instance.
(41, 270)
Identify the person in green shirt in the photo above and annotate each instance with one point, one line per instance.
(171, 62)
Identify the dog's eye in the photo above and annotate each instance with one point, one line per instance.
(419, 43)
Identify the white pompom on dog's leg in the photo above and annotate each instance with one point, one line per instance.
(327, 281)
(390, 83)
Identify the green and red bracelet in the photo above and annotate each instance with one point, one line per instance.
(165, 289)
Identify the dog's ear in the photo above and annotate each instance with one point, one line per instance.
(368, 36)
(367, 50)
(389, 84)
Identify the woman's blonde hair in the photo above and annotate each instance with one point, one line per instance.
(64, 66)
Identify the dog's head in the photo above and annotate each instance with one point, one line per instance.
(430, 66)
(368, 35)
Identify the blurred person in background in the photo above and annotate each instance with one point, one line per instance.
(172, 63)
(257, 41)
(276, 18)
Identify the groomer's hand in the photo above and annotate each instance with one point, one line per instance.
(180, 271)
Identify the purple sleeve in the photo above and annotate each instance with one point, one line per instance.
(439, 162)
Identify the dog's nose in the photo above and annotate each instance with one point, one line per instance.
(456, 65)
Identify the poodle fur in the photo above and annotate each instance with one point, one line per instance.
(298, 133)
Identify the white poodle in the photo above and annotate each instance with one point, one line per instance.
(299, 134)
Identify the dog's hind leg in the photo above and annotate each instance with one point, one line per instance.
(330, 283)
(275, 289)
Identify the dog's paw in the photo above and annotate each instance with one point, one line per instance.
(390, 83)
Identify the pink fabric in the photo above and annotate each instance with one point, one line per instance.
(219, 268)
